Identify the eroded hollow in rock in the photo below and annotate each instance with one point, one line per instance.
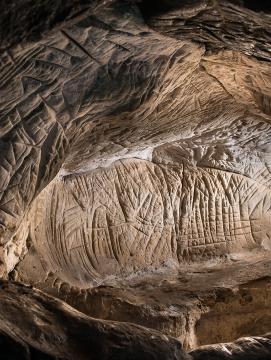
(235, 315)
(199, 306)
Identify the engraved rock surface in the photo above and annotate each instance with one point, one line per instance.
(137, 214)
(135, 142)
(71, 105)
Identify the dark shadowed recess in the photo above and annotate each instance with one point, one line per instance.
(259, 5)
(12, 349)
(26, 20)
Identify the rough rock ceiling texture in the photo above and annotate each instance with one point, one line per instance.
(135, 150)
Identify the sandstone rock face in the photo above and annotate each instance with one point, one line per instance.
(36, 326)
(134, 142)
(199, 122)
(137, 214)
(246, 348)
(34, 322)
(199, 305)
